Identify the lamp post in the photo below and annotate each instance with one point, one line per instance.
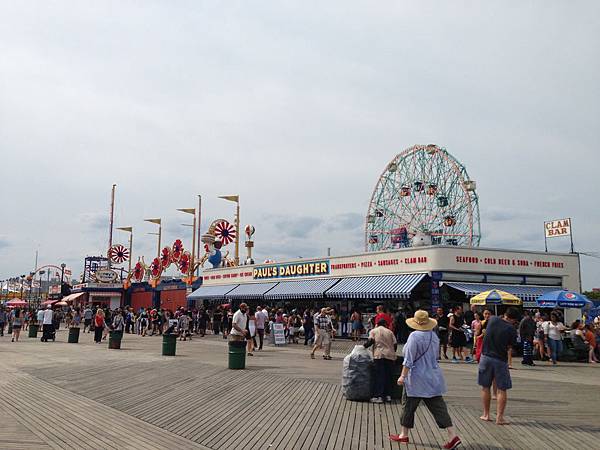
(159, 223)
(30, 279)
(62, 278)
(236, 199)
(22, 280)
(191, 267)
(130, 231)
(198, 241)
(41, 272)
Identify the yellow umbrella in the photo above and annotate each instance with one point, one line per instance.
(496, 297)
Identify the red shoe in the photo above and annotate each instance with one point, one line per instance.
(454, 443)
(397, 438)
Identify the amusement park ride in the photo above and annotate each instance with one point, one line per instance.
(423, 197)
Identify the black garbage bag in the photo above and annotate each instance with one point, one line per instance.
(357, 373)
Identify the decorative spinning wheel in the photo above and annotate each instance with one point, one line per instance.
(225, 232)
(118, 254)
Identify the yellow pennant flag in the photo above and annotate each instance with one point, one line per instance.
(231, 198)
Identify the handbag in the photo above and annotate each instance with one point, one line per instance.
(426, 350)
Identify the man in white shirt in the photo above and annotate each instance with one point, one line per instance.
(239, 324)
(47, 325)
(261, 318)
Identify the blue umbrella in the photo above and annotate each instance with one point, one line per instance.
(563, 299)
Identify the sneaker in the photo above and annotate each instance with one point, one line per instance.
(376, 400)
(454, 443)
(468, 360)
(454, 360)
(388, 399)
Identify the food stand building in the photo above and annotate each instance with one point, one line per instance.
(418, 277)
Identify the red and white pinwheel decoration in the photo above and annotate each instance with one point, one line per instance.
(184, 263)
(225, 232)
(138, 272)
(165, 257)
(118, 254)
(177, 250)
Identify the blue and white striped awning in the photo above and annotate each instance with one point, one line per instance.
(250, 291)
(524, 292)
(301, 289)
(212, 292)
(384, 286)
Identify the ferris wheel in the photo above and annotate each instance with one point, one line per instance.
(423, 197)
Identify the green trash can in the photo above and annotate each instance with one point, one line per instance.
(114, 339)
(33, 329)
(169, 344)
(237, 354)
(73, 335)
(396, 389)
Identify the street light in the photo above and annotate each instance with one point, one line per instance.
(159, 223)
(62, 277)
(236, 199)
(192, 263)
(41, 272)
(22, 279)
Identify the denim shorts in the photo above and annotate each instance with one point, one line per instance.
(491, 369)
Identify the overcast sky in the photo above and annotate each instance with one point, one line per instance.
(295, 106)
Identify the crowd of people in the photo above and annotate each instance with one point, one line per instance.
(540, 336)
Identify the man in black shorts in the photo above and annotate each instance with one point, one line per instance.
(458, 340)
(442, 331)
(500, 337)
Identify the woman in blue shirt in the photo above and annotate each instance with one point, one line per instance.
(423, 379)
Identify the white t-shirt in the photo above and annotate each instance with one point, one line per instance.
(261, 318)
(553, 331)
(40, 315)
(240, 319)
(48, 317)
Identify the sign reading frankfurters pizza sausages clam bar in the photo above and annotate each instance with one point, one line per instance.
(410, 260)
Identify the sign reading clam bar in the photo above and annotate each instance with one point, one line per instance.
(291, 270)
(557, 228)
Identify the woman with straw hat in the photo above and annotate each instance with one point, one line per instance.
(423, 379)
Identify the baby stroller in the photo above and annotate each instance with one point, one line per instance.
(48, 333)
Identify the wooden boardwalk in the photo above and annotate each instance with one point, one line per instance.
(86, 396)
